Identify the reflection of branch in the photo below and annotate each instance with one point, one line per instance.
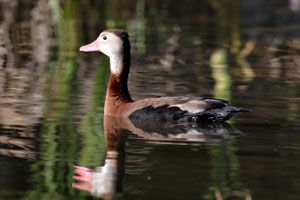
(247, 71)
(249, 47)
(26, 154)
(20, 148)
(22, 143)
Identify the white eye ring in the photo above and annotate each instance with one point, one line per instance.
(104, 37)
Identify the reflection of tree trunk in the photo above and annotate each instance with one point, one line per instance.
(23, 92)
(6, 48)
(40, 31)
(24, 52)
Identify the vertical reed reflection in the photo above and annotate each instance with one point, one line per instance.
(53, 171)
(225, 164)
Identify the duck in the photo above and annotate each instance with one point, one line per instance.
(115, 44)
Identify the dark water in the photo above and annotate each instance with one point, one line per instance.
(52, 96)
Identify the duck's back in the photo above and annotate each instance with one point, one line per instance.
(192, 109)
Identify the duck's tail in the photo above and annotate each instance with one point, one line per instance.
(237, 110)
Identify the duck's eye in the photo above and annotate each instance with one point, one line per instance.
(104, 37)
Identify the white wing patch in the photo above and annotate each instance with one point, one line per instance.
(192, 106)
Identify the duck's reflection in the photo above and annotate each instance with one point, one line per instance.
(106, 180)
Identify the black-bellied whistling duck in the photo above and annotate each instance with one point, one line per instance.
(115, 44)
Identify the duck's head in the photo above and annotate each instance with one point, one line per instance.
(115, 44)
(111, 42)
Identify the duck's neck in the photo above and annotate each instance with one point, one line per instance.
(117, 87)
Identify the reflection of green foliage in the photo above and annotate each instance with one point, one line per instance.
(93, 137)
(157, 20)
(138, 26)
(65, 24)
(225, 164)
(228, 26)
(58, 142)
(114, 14)
(220, 74)
(225, 169)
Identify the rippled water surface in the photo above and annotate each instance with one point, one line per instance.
(54, 143)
